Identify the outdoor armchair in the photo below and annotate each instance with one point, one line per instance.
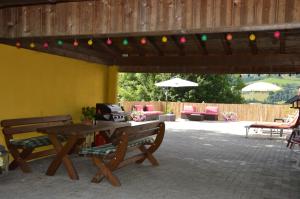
(187, 110)
(211, 113)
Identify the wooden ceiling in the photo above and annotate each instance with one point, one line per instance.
(9, 3)
(134, 19)
(216, 55)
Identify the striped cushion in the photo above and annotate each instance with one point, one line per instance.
(139, 142)
(34, 141)
(109, 148)
(99, 150)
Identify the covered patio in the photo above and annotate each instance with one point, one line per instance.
(203, 161)
(59, 56)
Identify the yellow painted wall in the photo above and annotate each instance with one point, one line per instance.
(39, 84)
(112, 84)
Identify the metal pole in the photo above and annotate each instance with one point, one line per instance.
(166, 93)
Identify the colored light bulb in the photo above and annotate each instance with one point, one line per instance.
(46, 45)
(109, 41)
(204, 38)
(32, 45)
(277, 34)
(143, 41)
(182, 40)
(75, 43)
(18, 44)
(90, 42)
(60, 42)
(125, 42)
(252, 37)
(164, 39)
(228, 37)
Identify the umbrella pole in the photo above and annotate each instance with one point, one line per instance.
(166, 93)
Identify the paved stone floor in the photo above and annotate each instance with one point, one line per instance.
(197, 160)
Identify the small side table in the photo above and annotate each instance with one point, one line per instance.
(196, 117)
(167, 117)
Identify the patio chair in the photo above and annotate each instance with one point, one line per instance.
(211, 113)
(187, 110)
(293, 123)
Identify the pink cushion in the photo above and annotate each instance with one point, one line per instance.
(204, 113)
(189, 108)
(152, 113)
(211, 110)
(149, 108)
(138, 107)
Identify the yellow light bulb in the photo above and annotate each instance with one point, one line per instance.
(90, 42)
(164, 39)
(252, 37)
(32, 45)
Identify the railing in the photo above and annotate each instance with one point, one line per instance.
(245, 112)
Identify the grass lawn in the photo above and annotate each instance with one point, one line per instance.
(280, 81)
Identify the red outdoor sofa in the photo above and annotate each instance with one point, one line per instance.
(148, 111)
(210, 112)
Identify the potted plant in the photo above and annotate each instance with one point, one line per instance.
(138, 116)
(88, 115)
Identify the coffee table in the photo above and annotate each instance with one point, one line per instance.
(195, 117)
(167, 117)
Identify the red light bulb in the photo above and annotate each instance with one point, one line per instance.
(46, 45)
(182, 40)
(277, 34)
(75, 43)
(109, 41)
(229, 37)
(143, 41)
(18, 44)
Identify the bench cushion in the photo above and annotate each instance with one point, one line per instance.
(99, 150)
(109, 148)
(139, 142)
(34, 141)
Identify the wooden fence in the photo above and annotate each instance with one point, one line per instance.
(245, 112)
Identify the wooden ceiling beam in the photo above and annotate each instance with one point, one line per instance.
(226, 45)
(179, 46)
(282, 43)
(211, 69)
(9, 3)
(109, 18)
(111, 49)
(238, 60)
(136, 45)
(202, 44)
(253, 47)
(158, 50)
(89, 50)
(66, 50)
(80, 49)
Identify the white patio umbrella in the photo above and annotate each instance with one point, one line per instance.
(261, 87)
(175, 83)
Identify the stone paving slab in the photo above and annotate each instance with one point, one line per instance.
(194, 163)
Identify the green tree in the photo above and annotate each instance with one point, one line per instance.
(212, 88)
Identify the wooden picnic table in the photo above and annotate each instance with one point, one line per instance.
(75, 133)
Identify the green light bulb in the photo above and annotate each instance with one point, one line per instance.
(204, 38)
(125, 42)
(60, 42)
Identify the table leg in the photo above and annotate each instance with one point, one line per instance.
(62, 156)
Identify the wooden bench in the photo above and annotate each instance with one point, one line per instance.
(145, 138)
(22, 149)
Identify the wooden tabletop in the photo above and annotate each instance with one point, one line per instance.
(82, 129)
